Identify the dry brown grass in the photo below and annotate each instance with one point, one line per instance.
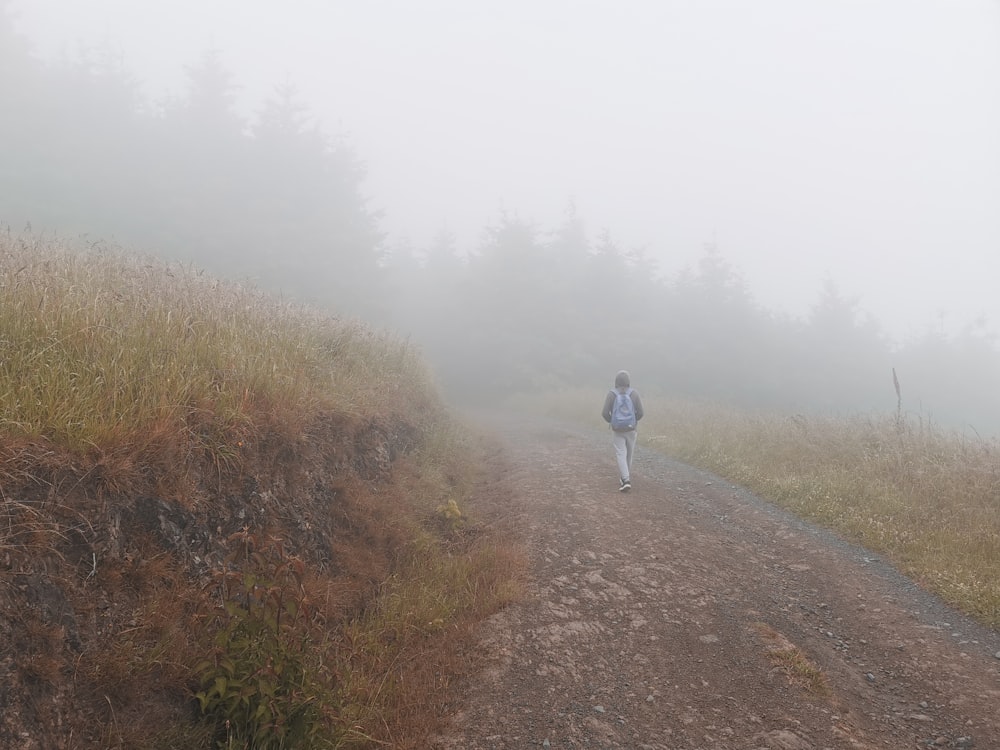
(152, 419)
(127, 366)
(401, 654)
(791, 660)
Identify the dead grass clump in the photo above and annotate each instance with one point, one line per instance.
(792, 661)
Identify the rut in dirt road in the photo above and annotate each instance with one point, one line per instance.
(689, 614)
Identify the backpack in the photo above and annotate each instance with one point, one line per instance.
(623, 412)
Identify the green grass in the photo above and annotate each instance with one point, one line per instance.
(925, 498)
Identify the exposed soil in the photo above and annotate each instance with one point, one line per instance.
(96, 587)
(689, 614)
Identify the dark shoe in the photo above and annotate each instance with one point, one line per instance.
(626, 486)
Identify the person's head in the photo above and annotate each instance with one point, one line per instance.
(622, 379)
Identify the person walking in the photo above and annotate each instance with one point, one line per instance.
(623, 410)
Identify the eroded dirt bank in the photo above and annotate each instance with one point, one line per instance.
(689, 614)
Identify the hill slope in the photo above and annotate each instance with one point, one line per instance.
(224, 522)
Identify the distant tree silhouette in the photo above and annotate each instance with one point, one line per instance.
(845, 358)
(713, 349)
(201, 177)
(569, 301)
(429, 300)
(22, 84)
(318, 236)
(952, 381)
(69, 130)
(208, 111)
(610, 309)
(508, 338)
(280, 203)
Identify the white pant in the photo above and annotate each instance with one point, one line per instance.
(624, 443)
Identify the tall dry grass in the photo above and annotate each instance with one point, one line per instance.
(926, 498)
(107, 352)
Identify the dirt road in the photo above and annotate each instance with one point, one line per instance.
(689, 614)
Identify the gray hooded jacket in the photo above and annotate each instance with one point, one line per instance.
(622, 382)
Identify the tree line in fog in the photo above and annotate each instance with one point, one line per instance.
(537, 309)
(267, 197)
(274, 199)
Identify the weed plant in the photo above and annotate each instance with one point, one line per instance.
(265, 685)
(926, 498)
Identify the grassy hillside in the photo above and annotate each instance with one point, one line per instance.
(925, 498)
(226, 521)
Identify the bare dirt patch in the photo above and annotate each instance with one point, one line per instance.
(690, 614)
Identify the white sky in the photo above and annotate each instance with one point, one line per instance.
(855, 140)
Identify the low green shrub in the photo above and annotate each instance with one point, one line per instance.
(266, 686)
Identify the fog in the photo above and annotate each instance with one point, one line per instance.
(756, 171)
